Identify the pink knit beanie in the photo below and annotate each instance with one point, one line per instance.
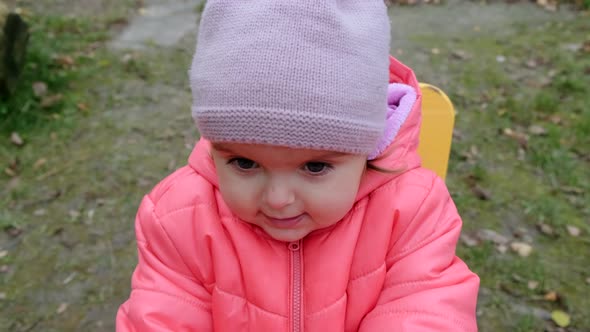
(295, 73)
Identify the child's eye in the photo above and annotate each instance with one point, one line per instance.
(243, 163)
(317, 168)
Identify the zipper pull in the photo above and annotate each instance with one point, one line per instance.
(294, 246)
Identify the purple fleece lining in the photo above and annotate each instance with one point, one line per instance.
(400, 100)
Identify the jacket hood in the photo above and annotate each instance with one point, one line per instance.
(400, 155)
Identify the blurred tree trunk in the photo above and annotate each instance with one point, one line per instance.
(14, 35)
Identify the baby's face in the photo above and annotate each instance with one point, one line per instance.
(287, 192)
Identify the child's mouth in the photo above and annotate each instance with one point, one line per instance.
(285, 222)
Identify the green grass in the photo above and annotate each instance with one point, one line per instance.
(51, 38)
(548, 181)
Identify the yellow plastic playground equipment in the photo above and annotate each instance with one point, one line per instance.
(436, 133)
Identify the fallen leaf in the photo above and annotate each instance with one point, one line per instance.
(517, 278)
(555, 119)
(171, 165)
(9, 172)
(435, 51)
(64, 60)
(551, 296)
(537, 130)
(49, 101)
(74, 214)
(561, 318)
(39, 89)
(493, 236)
(14, 164)
(127, 58)
(573, 47)
(40, 212)
(62, 307)
(521, 154)
(13, 183)
(40, 163)
(13, 231)
(531, 63)
(521, 248)
(16, 139)
(481, 193)
(549, 5)
(521, 138)
(545, 229)
(572, 190)
(83, 107)
(3, 253)
(573, 230)
(69, 278)
(532, 284)
(460, 55)
(469, 240)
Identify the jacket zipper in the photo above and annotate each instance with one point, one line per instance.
(297, 286)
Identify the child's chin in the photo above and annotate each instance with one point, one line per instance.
(290, 235)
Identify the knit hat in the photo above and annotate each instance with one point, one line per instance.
(302, 74)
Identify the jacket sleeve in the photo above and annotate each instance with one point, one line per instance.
(427, 288)
(165, 294)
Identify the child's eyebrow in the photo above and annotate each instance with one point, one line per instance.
(327, 155)
(331, 154)
(221, 147)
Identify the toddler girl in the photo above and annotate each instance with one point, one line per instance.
(304, 206)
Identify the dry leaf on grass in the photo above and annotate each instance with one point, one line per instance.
(62, 307)
(561, 318)
(537, 130)
(64, 60)
(545, 229)
(493, 236)
(460, 55)
(40, 212)
(573, 230)
(16, 139)
(521, 248)
(49, 101)
(39, 163)
(521, 138)
(469, 240)
(551, 296)
(39, 89)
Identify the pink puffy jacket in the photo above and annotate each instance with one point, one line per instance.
(388, 265)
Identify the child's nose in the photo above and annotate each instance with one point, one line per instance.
(278, 195)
